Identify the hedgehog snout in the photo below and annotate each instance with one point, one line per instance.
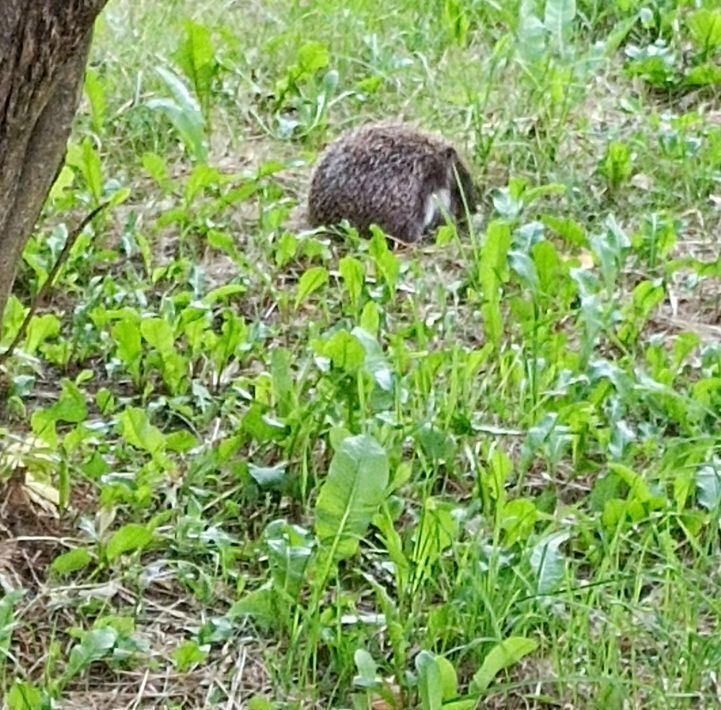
(438, 204)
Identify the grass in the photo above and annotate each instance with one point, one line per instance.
(246, 464)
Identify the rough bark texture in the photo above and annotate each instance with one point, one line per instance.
(43, 49)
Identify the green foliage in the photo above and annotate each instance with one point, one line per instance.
(704, 27)
(501, 656)
(196, 56)
(188, 655)
(129, 538)
(23, 696)
(351, 494)
(616, 165)
(239, 453)
(183, 112)
(662, 64)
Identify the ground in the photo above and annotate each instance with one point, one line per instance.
(249, 464)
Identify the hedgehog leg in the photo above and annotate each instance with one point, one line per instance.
(413, 229)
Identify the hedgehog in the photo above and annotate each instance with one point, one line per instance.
(392, 175)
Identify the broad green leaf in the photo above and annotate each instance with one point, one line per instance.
(262, 426)
(282, 377)
(370, 318)
(119, 196)
(180, 440)
(430, 685)
(445, 235)
(270, 167)
(184, 114)
(638, 487)
(558, 20)
(621, 436)
(646, 296)
(350, 495)
(500, 469)
(159, 334)
(508, 204)
(703, 75)
(548, 562)
(502, 656)
(63, 184)
(95, 645)
(351, 269)
(139, 432)
(189, 654)
(685, 482)
(548, 267)
(40, 329)
(312, 57)
(289, 551)
(375, 360)
(196, 57)
(129, 538)
(436, 443)
(386, 262)
(344, 351)
(105, 400)
(367, 668)
(223, 241)
(566, 228)
(449, 678)
(95, 92)
(261, 605)
(157, 168)
(517, 518)
(492, 321)
(493, 260)
(605, 488)
(611, 249)
(614, 512)
(269, 477)
(259, 703)
(394, 546)
(524, 268)
(708, 485)
(91, 169)
(23, 696)
(70, 408)
(201, 180)
(531, 194)
(126, 334)
(71, 561)
(223, 293)
(705, 29)
(656, 63)
(611, 694)
(179, 91)
(7, 614)
(314, 278)
(532, 34)
(285, 249)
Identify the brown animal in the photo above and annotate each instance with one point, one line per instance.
(392, 175)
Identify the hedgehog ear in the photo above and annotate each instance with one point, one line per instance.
(449, 153)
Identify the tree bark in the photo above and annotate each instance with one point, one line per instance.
(43, 49)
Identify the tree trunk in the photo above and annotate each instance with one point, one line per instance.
(43, 49)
